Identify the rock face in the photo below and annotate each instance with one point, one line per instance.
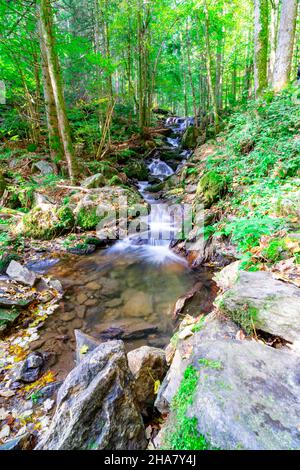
(147, 365)
(226, 278)
(21, 274)
(96, 407)
(247, 394)
(274, 305)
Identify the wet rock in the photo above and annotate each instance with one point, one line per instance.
(85, 344)
(81, 298)
(96, 407)
(94, 286)
(139, 305)
(68, 316)
(245, 390)
(80, 311)
(182, 302)
(87, 250)
(19, 273)
(147, 365)
(114, 303)
(30, 370)
(95, 181)
(273, 306)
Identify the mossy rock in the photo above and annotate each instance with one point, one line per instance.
(137, 170)
(189, 139)
(212, 187)
(87, 217)
(46, 224)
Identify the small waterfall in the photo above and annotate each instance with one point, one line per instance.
(159, 227)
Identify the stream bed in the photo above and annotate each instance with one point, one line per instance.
(127, 291)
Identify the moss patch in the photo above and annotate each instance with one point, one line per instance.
(182, 433)
(87, 217)
(46, 224)
(212, 187)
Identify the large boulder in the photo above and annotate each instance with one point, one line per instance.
(267, 303)
(46, 221)
(241, 394)
(19, 273)
(96, 407)
(148, 366)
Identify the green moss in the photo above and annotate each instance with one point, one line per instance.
(182, 433)
(210, 364)
(137, 170)
(212, 187)
(245, 316)
(275, 251)
(44, 225)
(87, 218)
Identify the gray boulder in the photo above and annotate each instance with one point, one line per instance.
(95, 181)
(19, 273)
(247, 394)
(147, 365)
(96, 407)
(44, 167)
(273, 306)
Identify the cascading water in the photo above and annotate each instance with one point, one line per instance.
(153, 244)
(128, 291)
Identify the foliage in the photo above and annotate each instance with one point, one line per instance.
(185, 434)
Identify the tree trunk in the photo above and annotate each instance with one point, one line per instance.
(55, 145)
(273, 37)
(285, 45)
(261, 44)
(209, 70)
(46, 21)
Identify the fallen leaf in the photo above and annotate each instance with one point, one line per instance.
(156, 387)
(84, 349)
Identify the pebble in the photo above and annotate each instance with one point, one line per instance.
(93, 286)
(81, 298)
(68, 316)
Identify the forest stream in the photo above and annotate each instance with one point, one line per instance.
(129, 290)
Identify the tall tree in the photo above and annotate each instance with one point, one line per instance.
(285, 45)
(261, 42)
(53, 68)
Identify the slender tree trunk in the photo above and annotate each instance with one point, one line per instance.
(209, 70)
(285, 45)
(46, 21)
(55, 145)
(192, 84)
(273, 37)
(261, 40)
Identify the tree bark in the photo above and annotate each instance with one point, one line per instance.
(285, 45)
(261, 45)
(46, 21)
(55, 145)
(209, 70)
